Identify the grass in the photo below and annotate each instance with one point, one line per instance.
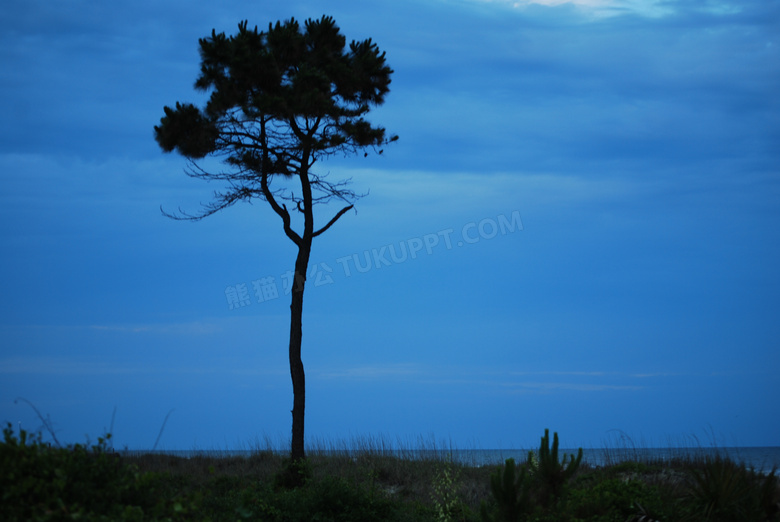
(420, 479)
(365, 479)
(403, 471)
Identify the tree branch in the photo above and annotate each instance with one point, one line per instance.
(280, 210)
(326, 227)
(223, 201)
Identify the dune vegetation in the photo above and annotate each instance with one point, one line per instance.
(367, 482)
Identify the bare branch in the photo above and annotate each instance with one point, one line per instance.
(280, 210)
(335, 218)
(222, 201)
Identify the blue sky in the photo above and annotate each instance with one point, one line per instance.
(590, 188)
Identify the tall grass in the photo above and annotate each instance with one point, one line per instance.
(620, 447)
(399, 479)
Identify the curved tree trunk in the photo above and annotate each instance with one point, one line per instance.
(296, 364)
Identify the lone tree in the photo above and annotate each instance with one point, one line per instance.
(281, 100)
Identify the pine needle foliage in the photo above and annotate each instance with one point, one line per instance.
(550, 475)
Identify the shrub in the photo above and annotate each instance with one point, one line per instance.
(294, 474)
(328, 499)
(615, 500)
(549, 475)
(43, 483)
(722, 490)
(445, 496)
(510, 494)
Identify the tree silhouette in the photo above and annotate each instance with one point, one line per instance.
(280, 101)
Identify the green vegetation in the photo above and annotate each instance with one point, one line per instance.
(539, 487)
(723, 490)
(510, 493)
(41, 483)
(549, 475)
(93, 483)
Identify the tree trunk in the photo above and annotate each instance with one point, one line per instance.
(296, 364)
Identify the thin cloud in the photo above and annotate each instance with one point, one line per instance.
(587, 374)
(647, 8)
(369, 372)
(599, 8)
(71, 367)
(194, 328)
(595, 381)
(581, 381)
(62, 366)
(549, 387)
(538, 188)
(584, 3)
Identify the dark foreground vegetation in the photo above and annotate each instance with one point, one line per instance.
(92, 483)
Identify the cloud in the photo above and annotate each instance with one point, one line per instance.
(646, 8)
(598, 8)
(476, 190)
(64, 366)
(391, 371)
(193, 328)
(621, 96)
(550, 387)
(583, 3)
(73, 367)
(486, 379)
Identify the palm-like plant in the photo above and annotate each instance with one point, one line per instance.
(551, 475)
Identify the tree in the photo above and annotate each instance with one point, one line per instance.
(281, 100)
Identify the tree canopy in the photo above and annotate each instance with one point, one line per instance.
(280, 100)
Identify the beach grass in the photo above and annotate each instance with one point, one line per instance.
(369, 478)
